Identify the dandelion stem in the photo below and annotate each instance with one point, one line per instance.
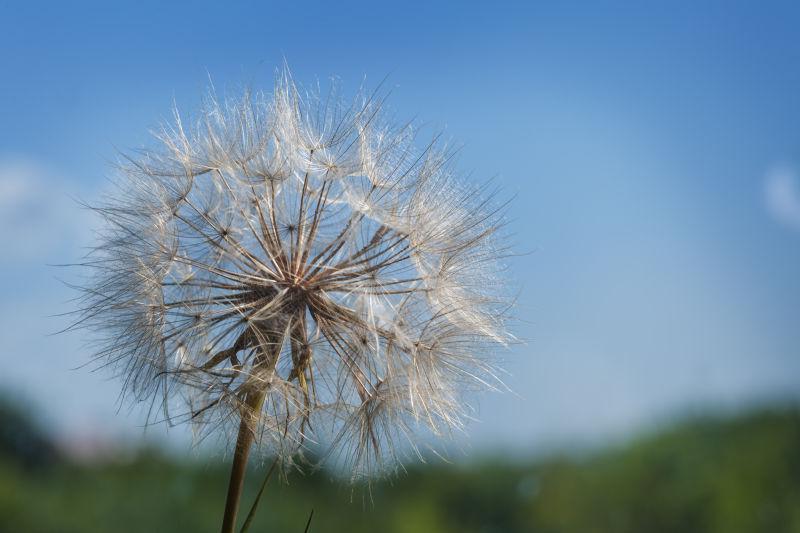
(244, 442)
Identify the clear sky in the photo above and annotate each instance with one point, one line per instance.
(654, 153)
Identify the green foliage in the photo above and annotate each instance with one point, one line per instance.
(708, 475)
(21, 440)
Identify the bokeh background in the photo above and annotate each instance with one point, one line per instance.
(654, 155)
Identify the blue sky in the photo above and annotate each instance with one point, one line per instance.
(654, 153)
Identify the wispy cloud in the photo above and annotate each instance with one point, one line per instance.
(38, 218)
(782, 196)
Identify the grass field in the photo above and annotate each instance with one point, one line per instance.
(726, 475)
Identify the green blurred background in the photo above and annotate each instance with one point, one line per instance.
(734, 474)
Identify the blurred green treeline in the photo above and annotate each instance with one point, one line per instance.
(715, 474)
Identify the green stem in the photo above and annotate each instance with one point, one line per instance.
(244, 442)
(252, 513)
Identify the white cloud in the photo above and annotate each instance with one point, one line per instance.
(38, 217)
(782, 196)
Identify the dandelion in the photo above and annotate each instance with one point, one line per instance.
(295, 268)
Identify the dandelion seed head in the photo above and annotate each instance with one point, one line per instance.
(297, 261)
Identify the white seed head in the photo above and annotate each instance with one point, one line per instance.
(298, 262)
